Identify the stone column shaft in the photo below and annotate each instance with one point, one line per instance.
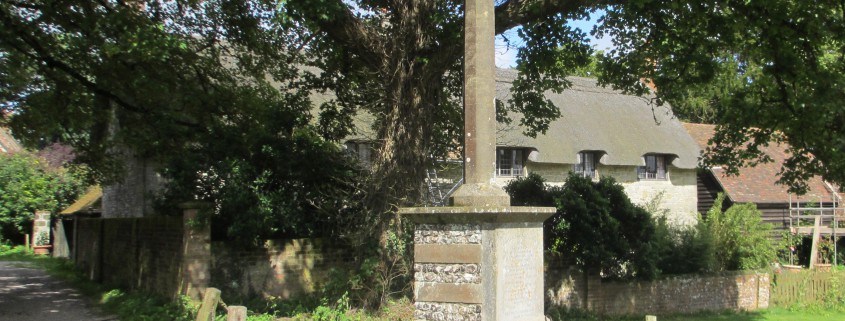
(479, 92)
(479, 109)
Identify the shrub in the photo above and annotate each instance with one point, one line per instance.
(684, 249)
(740, 238)
(29, 184)
(529, 191)
(596, 225)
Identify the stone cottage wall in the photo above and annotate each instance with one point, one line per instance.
(132, 196)
(679, 193)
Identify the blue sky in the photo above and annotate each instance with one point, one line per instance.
(506, 57)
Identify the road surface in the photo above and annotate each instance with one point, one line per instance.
(29, 294)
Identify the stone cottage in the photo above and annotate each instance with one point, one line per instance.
(603, 132)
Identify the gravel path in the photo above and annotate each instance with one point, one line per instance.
(29, 294)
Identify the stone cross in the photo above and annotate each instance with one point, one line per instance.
(480, 259)
(479, 109)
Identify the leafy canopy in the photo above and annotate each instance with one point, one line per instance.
(167, 77)
(596, 226)
(770, 70)
(211, 91)
(29, 184)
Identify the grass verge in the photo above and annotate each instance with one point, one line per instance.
(766, 315)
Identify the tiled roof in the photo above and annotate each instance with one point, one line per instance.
(8, 144)
(758, 184)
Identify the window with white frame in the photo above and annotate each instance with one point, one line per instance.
(586, 166)
(509, 162)
(361, 150)
(655, 167)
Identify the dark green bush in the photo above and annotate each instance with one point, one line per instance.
(596, 225)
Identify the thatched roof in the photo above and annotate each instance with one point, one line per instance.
(623, 127)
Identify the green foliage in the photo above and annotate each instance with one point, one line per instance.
(42, 238)
(596, 225)
(591, 69)
(529, 191)
(265, 186)
(799, 314)
(337, 312)
(213, 94)
(684, 249)
(765, 71)
(140, 307)
(29, 184)
(740, 237)
(160, 75)
(14, 253)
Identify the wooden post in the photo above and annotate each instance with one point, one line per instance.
(26, 240)
(196, 251)
(209, 304)
(651, 318)
(236, 313)
(814, 251)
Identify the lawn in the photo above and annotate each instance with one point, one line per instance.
(768, 315)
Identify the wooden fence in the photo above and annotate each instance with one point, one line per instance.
(807, 287)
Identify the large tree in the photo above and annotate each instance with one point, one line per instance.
(207, 89)
(772, 71)
(71, 66)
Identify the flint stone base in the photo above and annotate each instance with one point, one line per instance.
(478, 263)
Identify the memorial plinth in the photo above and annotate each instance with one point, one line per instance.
(478, 263)
(480, 259)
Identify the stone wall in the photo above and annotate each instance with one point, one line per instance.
(280, 269)
(159, 255)
(677, 294)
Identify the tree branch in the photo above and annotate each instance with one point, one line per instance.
(344, 27)
(513, 13)
(42, 54)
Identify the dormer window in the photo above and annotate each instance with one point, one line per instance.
(509, 162)
(655, 167)
(586, 166)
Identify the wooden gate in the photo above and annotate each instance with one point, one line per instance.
(807, 288)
